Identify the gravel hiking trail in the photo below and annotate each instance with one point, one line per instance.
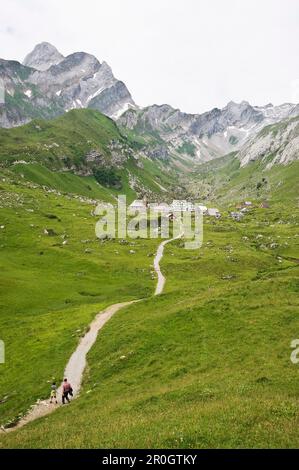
(75, 367)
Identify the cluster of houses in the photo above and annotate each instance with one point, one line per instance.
(168, 210)
(242, 209)
(176, 206)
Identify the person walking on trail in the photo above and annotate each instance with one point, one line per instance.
(53, 395)
(66, 391)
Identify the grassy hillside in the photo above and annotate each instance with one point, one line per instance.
(266, 167)
(51, 285)
(76, 144)
(65, 182)
(206, 364)
(224, 181)
(71, 135)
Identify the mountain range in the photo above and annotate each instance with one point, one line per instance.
(47, 85)
(208, 135)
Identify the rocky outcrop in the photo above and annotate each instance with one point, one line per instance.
(112, 101)
(23, 100)
(159, 152)
(278, 143)
(48, 84)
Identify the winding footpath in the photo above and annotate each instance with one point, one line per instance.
(158, 257)
(76, 365)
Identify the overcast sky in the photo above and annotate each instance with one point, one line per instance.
(192, 54)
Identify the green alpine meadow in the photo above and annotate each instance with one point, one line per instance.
(170, 322)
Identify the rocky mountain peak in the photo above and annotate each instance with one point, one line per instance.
(241, 112)
(50, 84)
(230, 104)
(106, 67)
(233, 105)
(43, 56)
(79, 64)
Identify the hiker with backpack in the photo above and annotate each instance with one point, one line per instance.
(66, 391)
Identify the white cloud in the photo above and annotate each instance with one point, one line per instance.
(193, 54)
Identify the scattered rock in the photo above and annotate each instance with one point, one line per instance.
(228, 277)
(50, 232)
(4, 399)
(274, 245)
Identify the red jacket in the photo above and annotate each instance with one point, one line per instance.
(66, 386)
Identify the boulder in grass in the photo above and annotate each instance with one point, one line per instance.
(50, 232)
(228, 277)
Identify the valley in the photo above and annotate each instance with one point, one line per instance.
(206, 363)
